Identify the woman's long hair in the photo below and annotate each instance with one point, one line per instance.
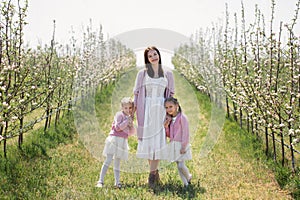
(149, 68)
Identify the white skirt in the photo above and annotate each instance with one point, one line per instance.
(116, 146)
(153, 145)
(151, 154)
(174, 152)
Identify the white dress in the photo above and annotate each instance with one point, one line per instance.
(153, 145)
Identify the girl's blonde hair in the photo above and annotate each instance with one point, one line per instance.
(126, 100)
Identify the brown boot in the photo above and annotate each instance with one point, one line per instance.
(157, 179)
(151, 180)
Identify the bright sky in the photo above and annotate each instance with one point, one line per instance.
(119, 16)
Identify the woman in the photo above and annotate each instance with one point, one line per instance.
(152, 86)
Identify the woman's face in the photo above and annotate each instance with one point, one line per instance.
(153, 57)
(171, 108)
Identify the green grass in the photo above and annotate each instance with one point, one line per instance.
(60, 165)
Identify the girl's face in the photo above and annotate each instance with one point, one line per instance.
(153, 57)
(127, 108)
(171, 108)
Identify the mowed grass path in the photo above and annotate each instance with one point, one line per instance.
(233, 169)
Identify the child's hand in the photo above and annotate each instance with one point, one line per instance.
(129, 118)
(130, 121)
(132, 113)
(167, 121)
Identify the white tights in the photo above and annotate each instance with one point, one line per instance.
(105, 166)
(183, 172)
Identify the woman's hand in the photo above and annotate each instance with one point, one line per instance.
(182, 151)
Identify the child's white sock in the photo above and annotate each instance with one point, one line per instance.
(105, 168)
(117, 162)
(183, 172)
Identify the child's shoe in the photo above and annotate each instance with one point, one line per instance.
(119, 185)
(100, 185)
(190, 179)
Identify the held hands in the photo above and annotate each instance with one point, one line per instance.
(182, 151)
(130, 121)
(131, 114)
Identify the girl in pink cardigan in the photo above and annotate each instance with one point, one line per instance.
(116, 144)
(177, 129)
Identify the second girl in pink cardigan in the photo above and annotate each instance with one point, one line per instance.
(177, 129)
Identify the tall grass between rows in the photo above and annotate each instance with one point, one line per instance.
(56, 165)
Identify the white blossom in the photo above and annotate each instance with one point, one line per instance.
(288, 107)
(14, 118)
(295, 141)
(3, 88)
(5, 104)
(281, 125)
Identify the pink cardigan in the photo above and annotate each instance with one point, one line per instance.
(120, 126)
(140, 94)
(179, 130)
